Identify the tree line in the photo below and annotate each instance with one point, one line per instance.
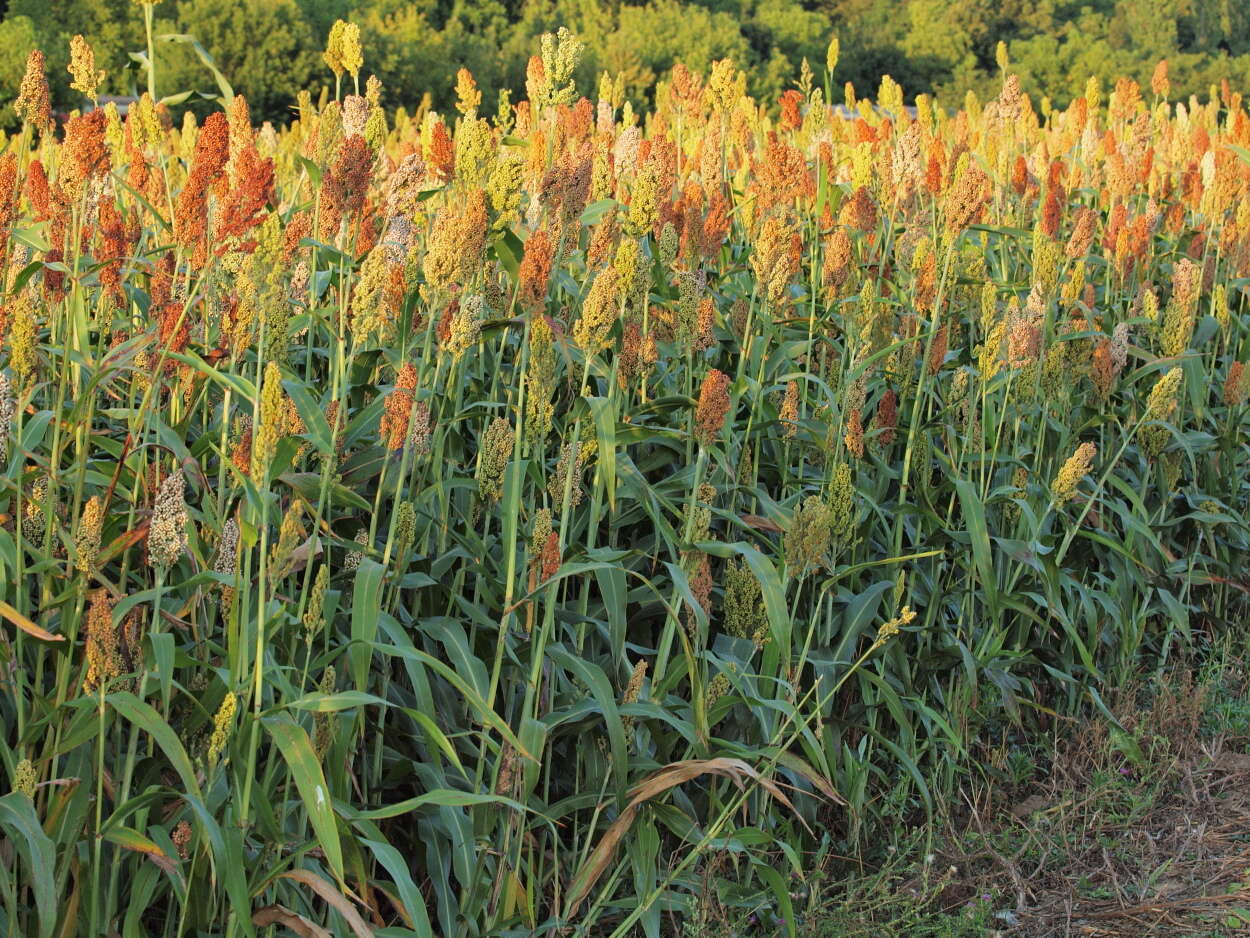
(270, 48)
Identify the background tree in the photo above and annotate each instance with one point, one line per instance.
(270, 48)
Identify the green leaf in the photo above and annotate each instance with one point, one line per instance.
(17, 817)
(227, 93)
(366, 596)
(240, 386)
(439, 798)
(147, 719)
(593, 677)
(231, 867)
(605, 430)
(395, 864)
(978, 532)
(508, 251)
(595, 211)
(313, 416)
(305, 768)
(780, 890)
(480, 710)
(131, 839)
(333, 703)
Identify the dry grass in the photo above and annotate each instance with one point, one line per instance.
(1135, 827)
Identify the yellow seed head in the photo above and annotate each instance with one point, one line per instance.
(1093, 93)
(644, 201)
(314, 614)
(269, 421)
(1063, 489)
(493, 457)
(807, 539)
(24, 779)
(540, 532)
(1181, 313)
(82, 67)
(1160, 405)
(1219, 307)
(598, 312)
(369, 316)
(1000, 55)
(788, 412)
(34, 104)
(343, 52)
(540, 381)
(405, 528)
(561, 53)
(23, 338)
(891, 628)
(223, 724)
(475, 152)
(989, 354)
(466, 325)
(87, 537)
(290, 535)
(468, 96)
(634, 689)
(103, 657)
(1162, 399)
(717, 688)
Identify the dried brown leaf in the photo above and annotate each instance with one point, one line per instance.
(655, 784)
(341, 904)
(281, 915)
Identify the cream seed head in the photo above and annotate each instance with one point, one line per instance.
(354, 557)
(466, 325)
(104, 662)
(8, 408)
(167, 535)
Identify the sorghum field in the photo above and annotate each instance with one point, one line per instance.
(551, 518)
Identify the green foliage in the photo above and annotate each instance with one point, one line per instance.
(113, 27)
(270, 49)
(264, 49)
(17, 38)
